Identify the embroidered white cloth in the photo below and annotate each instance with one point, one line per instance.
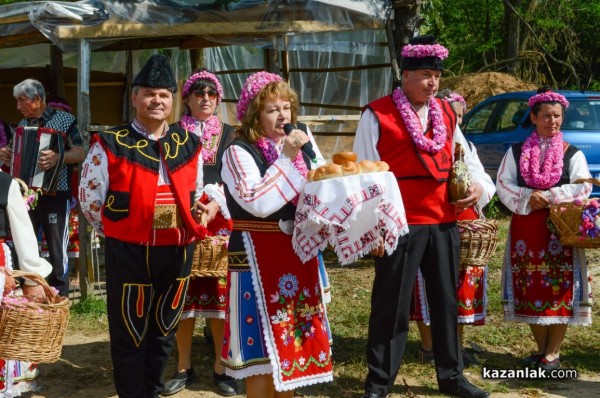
(349, 213)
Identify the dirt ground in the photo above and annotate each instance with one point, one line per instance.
(84, 370)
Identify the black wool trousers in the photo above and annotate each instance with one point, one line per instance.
(434, 249)
(146, 287)
(52, 215)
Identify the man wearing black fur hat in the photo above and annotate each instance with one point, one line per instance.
(415, 133)
(138, 188)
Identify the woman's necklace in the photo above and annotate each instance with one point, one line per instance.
(538, 174)
(269, 153)
(209, 136)
(413, 125)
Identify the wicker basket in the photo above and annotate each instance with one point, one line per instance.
(210, 256)
(31, 331)
(566, 217)
(478, 240)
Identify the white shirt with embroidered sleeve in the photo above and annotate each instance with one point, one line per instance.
(516, 198)
(95, 181)
(23, 235)
(367, 137)
(217, 193)
(260, 196)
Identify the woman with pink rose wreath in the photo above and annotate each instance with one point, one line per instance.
(543, 283)
(205, 297)
(276, 335)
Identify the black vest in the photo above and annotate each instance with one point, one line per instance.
(212, 171)
(287, 212)
(564, 177)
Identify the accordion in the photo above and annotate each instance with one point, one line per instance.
(28, 143)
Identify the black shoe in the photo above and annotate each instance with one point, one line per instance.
(464, 389)
(549, 365)
(532, 360)
(179, 381)
(226, 385)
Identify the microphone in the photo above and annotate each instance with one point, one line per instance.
(306, 148)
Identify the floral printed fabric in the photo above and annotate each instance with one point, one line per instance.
(543, 281)
(292, 316)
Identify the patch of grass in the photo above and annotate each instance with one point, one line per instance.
(92, 306)
(89, 316)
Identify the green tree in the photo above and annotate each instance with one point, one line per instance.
(550, 42)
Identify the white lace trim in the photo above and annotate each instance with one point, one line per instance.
(252, 370)
(286, 166)
(267, 332)
(214, 314)
(523, 206)
(260, 304)
(215, 192)
(582, 314)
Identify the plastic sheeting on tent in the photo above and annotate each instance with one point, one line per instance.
(336, 50)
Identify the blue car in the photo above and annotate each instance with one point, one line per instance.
(500, 121)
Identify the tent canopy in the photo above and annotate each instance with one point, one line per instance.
(126, 25)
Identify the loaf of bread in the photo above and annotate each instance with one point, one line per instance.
(368, 166)
(342, 157)
(343, 166)
(350, 168)
(328, 171)
(382, 166)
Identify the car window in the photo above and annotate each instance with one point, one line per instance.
(509, 115)
(582, 115)
(478, 120)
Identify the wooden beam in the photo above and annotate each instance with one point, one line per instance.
(26, 39)
(215, 29)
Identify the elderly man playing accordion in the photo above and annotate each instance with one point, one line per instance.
(52, 210)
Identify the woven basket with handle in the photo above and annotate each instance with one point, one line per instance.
(32, 331)
(566, 217)
(478, 240)
(210, 256)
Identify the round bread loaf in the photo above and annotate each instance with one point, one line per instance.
(350, 168)
(310, 177)
(328, 171)
(341, 157)
(368, 166)
(382, 166)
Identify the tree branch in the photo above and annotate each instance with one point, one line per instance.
(522, 55)
(548, 54)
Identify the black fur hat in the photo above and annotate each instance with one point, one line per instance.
(423, 52)
(157, 73)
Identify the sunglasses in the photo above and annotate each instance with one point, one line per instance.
(212, 94)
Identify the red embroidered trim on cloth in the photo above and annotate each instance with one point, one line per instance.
(288, 292)
(542, 269)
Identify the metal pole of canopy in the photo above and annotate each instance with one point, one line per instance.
(83, 121)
